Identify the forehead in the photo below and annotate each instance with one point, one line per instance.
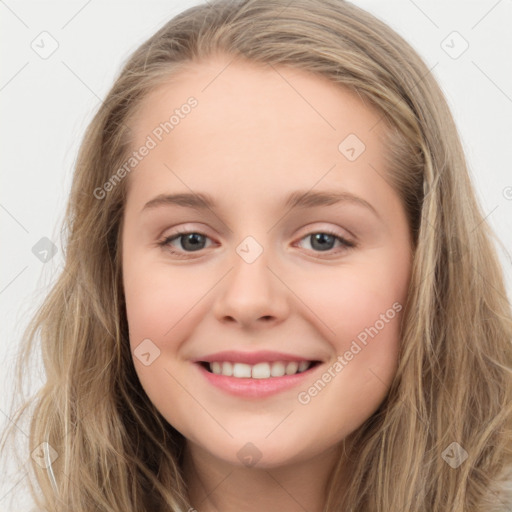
(254, 127)
(277, 97)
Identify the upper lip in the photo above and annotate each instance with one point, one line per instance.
(261, 356)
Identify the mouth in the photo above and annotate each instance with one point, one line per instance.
(262, 370)
(257, 381)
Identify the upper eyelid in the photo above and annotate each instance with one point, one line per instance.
(186, 231)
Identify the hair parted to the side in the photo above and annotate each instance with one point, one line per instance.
(454, 379)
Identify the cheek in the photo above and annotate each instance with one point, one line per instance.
(359, 309)
(362, 307)
(162, 308)
(159, 300)
(350, 300)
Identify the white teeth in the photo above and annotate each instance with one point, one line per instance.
(292, 367)
(227, 369)
(277, 369)
(259, 370)
(303, 365)
(241, 370)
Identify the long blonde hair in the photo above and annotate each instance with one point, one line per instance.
(116, 452)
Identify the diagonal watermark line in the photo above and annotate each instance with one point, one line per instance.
(483, 220)
(300, 299)
(424, 76)
(492, 81)
(485, 15)
(424, 14)
(275, 428)
(103, 102)
(12, 280)
(14, 486)
(81, 81)
(199, 403)
(290, 209)
(403, 401)
(283, 9)
(302, 97)
(490, 284)
(286, 491)
(14, 76)
(198, 301)
(14, 218)
(218, 74)
(76, 14)
(14, 423)
(193, 192)
(14, 14)
(373, 167)
(413, 87)
(208, 494)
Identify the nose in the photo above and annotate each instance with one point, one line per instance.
(252, 295)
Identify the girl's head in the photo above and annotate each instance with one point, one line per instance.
(279, 177)
(311, 277)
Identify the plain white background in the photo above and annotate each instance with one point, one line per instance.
(48, 100)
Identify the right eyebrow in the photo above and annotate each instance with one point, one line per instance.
(196, 201)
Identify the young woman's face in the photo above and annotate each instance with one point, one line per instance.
(303, 255)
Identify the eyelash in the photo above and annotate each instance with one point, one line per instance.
(166, 241)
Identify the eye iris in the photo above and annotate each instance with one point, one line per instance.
(322, 238)
(191, 237)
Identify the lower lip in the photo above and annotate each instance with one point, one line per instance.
(255, 388)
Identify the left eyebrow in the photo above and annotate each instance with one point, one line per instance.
(298, 199)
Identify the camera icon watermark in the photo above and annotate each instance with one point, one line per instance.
(454, 45)
(44, 250)
(454, 455)
(45, 45)
(249, 455)
(249, 249)
(44, 455)
(507, 193)
(351, 147)
(146, 352)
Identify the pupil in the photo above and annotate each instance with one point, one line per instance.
(191, 237)
(321, 238)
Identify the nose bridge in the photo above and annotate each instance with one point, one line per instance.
(251, 290)
(251, 277)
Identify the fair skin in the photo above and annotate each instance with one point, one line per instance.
(252, 140)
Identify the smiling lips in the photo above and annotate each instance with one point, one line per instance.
(255, 365)
(260, 370)
(257, 384)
